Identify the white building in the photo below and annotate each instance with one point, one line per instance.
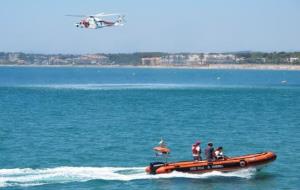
(219, 58)
(293, 59)
(151, 61)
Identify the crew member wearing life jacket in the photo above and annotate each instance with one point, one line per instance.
(196, 151)
(219, 153)
(210, 152)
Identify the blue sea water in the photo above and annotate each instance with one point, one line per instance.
(94, 128)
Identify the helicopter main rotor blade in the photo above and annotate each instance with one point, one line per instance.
(77, 15)
(104, 15)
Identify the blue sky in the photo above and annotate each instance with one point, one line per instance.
(39, 26)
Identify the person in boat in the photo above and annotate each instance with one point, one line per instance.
(196, 151)
(210, 152)
(219, 153)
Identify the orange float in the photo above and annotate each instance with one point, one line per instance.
(161, 149)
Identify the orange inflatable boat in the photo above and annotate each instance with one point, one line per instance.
(223, 165)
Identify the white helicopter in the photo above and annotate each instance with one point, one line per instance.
(97, 21)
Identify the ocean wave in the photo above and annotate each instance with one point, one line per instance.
(128, 86)
(35, 177)
(116, 86)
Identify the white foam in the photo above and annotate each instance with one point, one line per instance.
(34, 177)
(121, 86)
(128, 86)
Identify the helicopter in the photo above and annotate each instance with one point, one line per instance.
(97, 21)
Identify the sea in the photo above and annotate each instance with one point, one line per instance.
(95, 128)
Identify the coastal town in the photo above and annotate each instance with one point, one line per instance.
(151, 59)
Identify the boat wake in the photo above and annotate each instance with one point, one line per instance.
(34, 177)
(120, 86)
(142, 86)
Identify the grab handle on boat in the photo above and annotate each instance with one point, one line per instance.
(243, 163)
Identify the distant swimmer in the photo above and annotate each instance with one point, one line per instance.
(196, 151)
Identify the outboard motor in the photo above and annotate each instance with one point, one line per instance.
(154, 166)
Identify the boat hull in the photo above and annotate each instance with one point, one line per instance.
(224, 165)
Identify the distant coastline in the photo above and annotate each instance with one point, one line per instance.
(234, 60)
(211, 66)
